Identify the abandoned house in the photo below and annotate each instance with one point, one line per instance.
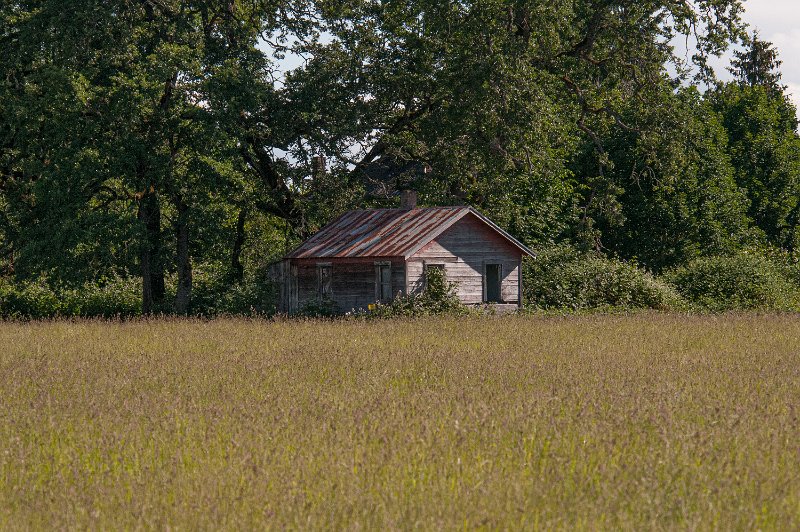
(369, 256)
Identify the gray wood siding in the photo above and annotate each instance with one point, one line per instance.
(277, 274)
(352, 281)
(463, 250)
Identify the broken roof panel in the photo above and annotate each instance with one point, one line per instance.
(386, 233)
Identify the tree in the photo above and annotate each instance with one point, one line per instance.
(757, 65)
(143, 144)
(761, 124)
(115, 123)
(677, 195)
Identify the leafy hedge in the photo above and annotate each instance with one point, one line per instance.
(564, 278)
(116, 297)
(212, 295)
(439, 297)
(560, 278)
(748, 281)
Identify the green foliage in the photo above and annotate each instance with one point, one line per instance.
(566, 279)
(29, 300)
(116, 297)
(111, 298)
(764, 148)
(676, 194)
(438, 297)
(171, 136)
(758, 65)
(319, 308)
(746, 281)
(215, 293)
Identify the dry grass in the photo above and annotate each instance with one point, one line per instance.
(607, 422)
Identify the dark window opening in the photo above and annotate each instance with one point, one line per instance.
(324, 281)
(493, 280)
(383, 282)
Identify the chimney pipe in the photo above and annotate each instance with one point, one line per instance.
(318, 164)
(408, 199)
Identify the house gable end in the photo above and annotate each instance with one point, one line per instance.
(491, 226)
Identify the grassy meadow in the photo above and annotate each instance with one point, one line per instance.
(643, 421)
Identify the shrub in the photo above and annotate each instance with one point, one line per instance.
(747, 281)
(319, 308)
(439, 297)
(115, 297)
(214, 293)
(567, 279)
(36, 299)
(255, 295)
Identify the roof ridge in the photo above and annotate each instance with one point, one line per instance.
(414, 209)
(387, 232)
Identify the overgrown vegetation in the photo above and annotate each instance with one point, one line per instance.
(438, 297)
(561, 278)
(564, 278)
(319, 308)
(644, 422)
(214, 295)
(180, 146)
(747, 281)
(36, 299)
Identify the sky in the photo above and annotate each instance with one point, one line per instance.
(777, 21)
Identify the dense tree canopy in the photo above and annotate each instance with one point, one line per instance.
(163, 138)
(763, 144)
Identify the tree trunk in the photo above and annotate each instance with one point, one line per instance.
(237, 270)
(183, 296)
(150, 257)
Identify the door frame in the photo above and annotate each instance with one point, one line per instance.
(485, 297)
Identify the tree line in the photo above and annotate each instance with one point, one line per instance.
(173, 142)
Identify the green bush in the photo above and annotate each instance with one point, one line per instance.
(213, 294)
(319, 308)
(34, 299)
(747, 281)
(562, 278)
(439, 297)
(116, 297)
(256, 295)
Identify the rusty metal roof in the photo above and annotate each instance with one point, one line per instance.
(387, 233)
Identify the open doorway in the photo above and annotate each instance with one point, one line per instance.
(493, 279)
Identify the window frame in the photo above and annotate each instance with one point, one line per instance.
(426, 265)
(380, 284)
(324, 285)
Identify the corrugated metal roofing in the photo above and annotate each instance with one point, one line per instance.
(386, 233)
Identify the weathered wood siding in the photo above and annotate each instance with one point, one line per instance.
(352, 281)
(464, 249)
(278, 273)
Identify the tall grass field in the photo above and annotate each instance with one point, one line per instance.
(631, 422)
